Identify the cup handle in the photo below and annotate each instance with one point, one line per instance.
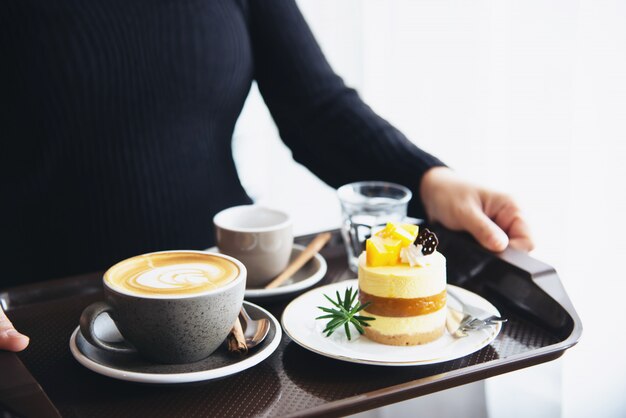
(87, 321)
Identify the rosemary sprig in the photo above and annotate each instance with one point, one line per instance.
(344, 313)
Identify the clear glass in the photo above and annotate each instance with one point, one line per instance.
(366, 207)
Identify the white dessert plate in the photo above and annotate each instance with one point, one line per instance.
(299, 323)
(310, 274)
(133, 368)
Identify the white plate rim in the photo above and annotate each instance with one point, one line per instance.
(170, 378)
(289, 288)
(477, 347)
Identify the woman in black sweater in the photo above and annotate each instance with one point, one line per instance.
(116, 120)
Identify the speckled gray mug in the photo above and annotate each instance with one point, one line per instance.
(170, 306)
(260, 237)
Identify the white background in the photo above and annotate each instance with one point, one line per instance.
(524, 96)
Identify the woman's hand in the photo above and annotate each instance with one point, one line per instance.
(10, 339)
(493, 218)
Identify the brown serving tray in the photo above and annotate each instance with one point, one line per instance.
(293, 381)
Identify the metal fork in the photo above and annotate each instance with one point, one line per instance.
(459, 329)
(473, 318)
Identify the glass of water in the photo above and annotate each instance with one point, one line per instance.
(367, 206)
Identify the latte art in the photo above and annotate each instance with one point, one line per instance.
(172, 274)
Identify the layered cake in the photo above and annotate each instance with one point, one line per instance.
(403, 278)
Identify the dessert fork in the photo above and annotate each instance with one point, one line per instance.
(472, 318)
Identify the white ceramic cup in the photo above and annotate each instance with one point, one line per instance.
(260, 237)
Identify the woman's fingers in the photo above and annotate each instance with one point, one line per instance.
(508, 217)
(10, 339)
(488, 234)
(519, 235)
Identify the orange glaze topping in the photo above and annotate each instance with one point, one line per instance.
(401, 307)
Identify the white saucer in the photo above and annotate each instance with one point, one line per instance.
(299, 323)
(133, 368)
(310, 274)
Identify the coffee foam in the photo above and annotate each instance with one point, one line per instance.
(174, 273)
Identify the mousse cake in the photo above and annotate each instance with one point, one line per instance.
(403, 278)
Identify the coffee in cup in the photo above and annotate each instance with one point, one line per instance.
(170, 306)
(171, 273)
(260, 237)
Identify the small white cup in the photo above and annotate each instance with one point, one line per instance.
(260, 237)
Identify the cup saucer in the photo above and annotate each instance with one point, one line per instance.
(133, 368)
(310, 274)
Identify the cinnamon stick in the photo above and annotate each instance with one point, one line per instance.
(236, 340)
(309, 252)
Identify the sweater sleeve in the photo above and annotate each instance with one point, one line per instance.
(328, 128)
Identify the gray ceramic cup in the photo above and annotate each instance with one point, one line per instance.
(260, 237)
(166, 328)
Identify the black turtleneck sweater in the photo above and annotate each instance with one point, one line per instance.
(116, 118)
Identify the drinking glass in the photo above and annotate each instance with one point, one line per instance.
(366, 207)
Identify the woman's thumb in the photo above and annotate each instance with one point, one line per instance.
(10, 339)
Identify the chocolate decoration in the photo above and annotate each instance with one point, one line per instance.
(428, 240)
